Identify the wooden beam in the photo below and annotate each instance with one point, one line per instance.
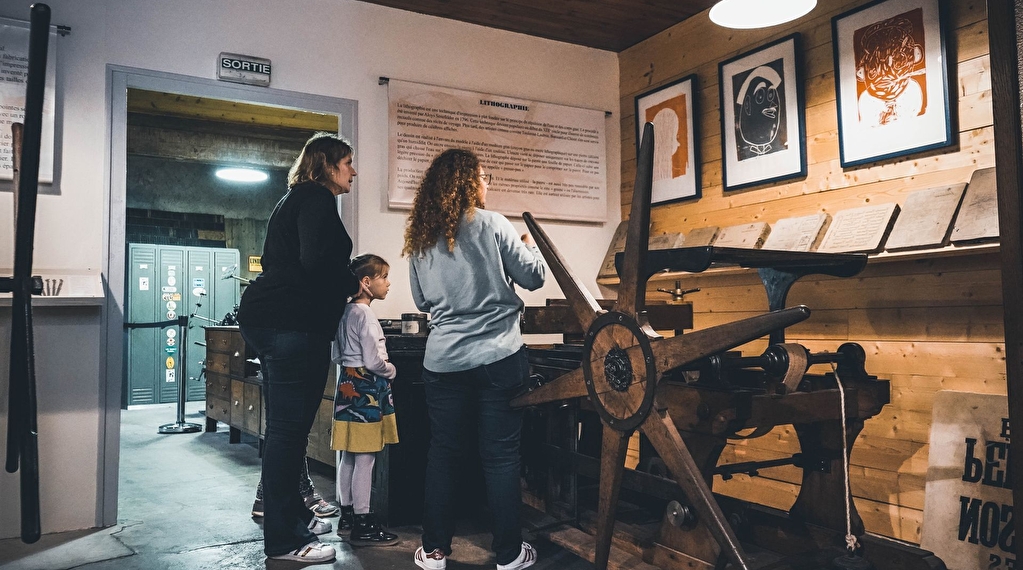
(210, 148)
(1006, 74)
(175, 105)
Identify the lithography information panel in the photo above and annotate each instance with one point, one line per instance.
(546, 159)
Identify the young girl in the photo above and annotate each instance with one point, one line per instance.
(363, 409)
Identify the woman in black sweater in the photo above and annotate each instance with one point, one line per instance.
(289, 315)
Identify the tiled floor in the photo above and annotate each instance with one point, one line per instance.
(184, 504)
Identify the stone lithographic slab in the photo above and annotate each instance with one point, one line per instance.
(749, 236)
(607, 268)
(617, 245)
(978, 216)
(702, 236)
(666, 241)
(860, 230)
(798, 234)
(926, 218)
(968, 513)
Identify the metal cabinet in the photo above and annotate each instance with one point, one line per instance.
(164, 282)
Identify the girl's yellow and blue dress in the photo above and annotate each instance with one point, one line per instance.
(364, 418)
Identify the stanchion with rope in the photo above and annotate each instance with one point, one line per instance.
(179, 426)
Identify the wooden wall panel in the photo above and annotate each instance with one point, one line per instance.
(928, 321)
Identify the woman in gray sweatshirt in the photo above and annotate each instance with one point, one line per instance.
(464, 264)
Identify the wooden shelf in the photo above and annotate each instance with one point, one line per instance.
(883, 257)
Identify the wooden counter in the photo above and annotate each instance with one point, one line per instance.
(234, 394)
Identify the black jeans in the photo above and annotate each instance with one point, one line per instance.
(294, 367)
(460, 403)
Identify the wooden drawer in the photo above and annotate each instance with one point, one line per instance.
(218, 386)
(237, 397)
(252, 407)
(218, 409)
(223, 363)
(226, 340)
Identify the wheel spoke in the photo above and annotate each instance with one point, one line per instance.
(579, 298)
(689, 347)
(612, 464)
(568, 385)
(663, 435)
(632, 282)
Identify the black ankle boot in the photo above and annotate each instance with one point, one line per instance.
(367, 532)
(347, 520)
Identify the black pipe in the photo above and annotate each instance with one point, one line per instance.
(23, 445)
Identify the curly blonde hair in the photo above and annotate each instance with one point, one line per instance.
(450, 188)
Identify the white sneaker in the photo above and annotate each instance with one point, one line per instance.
(312, 553)
(526, 558)
(318, 526)
(433, 561)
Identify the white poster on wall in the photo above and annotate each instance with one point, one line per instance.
(13, 75)
(546, 159)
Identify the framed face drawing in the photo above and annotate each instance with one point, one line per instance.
(672, 110)
(762, 125)
(891, 80)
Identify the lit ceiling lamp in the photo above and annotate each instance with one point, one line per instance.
(241, 174)
(749, 14)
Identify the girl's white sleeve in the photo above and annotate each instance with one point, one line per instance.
(373, 348)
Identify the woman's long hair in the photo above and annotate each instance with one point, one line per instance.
(320, 153)
(450, 188)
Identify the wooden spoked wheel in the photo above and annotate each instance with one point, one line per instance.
(620, 385)
(623, 362)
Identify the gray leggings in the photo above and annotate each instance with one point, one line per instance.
(355, 480)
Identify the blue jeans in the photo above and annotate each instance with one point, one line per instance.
(460, 403)
(294, 367)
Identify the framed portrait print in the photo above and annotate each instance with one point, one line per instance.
(762, 124)
(672, 110)
(891, 80)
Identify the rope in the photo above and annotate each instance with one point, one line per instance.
(850, 540)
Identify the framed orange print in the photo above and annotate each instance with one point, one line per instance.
(672, 110)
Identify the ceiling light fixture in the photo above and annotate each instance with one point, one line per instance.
(749, 14)
(241, 174)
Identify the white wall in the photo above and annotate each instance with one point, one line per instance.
(336, 48)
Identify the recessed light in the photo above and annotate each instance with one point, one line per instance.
(241, 174)
(749, 14)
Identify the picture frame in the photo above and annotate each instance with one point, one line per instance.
(763, 124)
(672, 108)
(888, 109)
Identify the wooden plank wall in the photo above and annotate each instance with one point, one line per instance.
(928, 322)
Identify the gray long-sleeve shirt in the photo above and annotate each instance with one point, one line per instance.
(470, 292)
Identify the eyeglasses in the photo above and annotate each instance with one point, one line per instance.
(487, 177)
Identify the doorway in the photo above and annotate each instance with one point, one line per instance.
(147, 175)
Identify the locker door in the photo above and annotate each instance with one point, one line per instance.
(199, 291)
(226, 291)
(140, 370)
(173, 285)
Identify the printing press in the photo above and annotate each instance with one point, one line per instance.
(688, 395)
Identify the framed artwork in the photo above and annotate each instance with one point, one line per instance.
(763, 132)
(891, 80)
(672, 110)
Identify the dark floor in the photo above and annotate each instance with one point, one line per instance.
(184, 504)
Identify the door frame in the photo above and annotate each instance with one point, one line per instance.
(118, 80)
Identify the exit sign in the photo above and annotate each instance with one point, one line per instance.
(243, 69)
